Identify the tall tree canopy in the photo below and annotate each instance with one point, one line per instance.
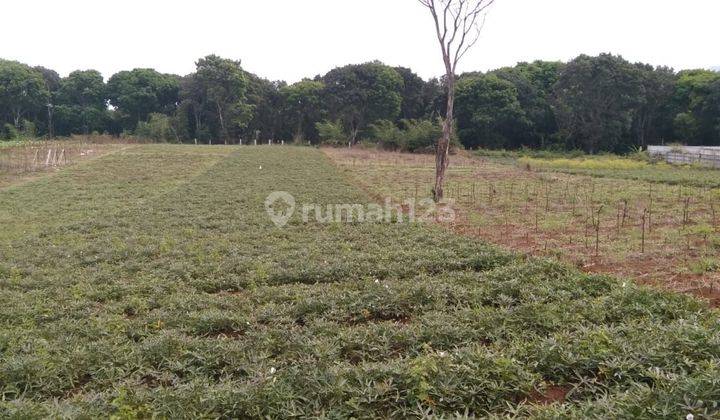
(304, 107)
(80, 103)
(595, 99)
(84, 88)
(488, 113)
(221, 85)
(413, 95)
(139, 92)
(652, 122)
(599, 104)
(698, 100)
(22, 91)
(362, 94)
(534, 83)
(267, 103)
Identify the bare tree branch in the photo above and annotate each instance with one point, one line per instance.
(459, 27)
(462, 21)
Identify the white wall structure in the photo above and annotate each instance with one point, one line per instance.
(701, 155)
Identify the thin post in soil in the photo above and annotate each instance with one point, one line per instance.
(650, 209)
(547, 198)
(644, 219)
(596, 225)
(624, 212)
(686, 212)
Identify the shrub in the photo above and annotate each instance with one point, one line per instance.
(29, 130)
(331, 133)
(387, 135)
(158, 128)
(421, 135)
(9, 132)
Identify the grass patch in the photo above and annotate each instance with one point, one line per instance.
(585, 164)
(627, 168)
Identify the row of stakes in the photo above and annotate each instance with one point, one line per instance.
(53, 158)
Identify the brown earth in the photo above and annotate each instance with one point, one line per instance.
(487, 188)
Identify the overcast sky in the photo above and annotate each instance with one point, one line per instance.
(292, 39)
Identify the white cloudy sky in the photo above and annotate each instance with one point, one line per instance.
(292, 39)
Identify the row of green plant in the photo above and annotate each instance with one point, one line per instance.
(151, 283)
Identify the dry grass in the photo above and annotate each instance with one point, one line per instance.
(21, 160)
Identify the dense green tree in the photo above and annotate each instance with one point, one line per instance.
(652, 122)
(52, 84)
(267, 103)
(304, 108)
(139, 92)
(221, 86)
(696, 99)
(595, 100)
(51, 77)
(84, 88)
(434, 98)
(488, 112)
(414, 105)
(361, 94)
(190, 111)
(715, 108)
(601, 103)
(534, 83)
(22, 92)
(75, 119)
(81, 104)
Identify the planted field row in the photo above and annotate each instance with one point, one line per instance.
(151, 282)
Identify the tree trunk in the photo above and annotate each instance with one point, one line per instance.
(353, 135)
(442, 153)
(299, 131)
(16, 118)
(223, 130)
(51, 134)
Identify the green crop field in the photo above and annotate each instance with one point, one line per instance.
(150, 282)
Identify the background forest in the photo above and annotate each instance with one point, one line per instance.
(595, 104)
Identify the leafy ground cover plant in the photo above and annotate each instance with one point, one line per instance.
(151, 282)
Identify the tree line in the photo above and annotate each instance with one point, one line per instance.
(596, 104)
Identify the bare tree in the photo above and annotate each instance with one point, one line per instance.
(458, 24)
